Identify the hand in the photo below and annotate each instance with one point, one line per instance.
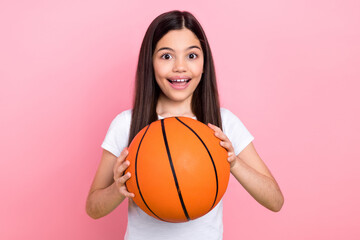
(119, 177)
(225, 143)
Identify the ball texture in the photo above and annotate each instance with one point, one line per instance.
(179, 170)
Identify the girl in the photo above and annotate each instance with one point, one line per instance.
(176, 77)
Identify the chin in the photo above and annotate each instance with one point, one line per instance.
(178, 97)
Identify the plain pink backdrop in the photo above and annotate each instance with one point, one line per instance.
(288, 69)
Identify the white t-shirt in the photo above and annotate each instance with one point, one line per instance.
(144, 227)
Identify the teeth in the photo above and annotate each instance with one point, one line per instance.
(180, 80)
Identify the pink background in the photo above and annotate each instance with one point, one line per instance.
(288, 69)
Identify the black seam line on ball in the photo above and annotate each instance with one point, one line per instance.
(212, 160)
(173, 171)
(136, 175)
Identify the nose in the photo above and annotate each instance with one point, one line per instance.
(179, 65)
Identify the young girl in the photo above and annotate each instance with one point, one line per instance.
(176, 77)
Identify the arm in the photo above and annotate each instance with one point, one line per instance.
(105, 193)
(251, 172)
(254, 176)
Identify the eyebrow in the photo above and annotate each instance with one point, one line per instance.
(170, 49)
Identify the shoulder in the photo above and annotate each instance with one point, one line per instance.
(235, 130)
(230, 120)
(227, 115)
(225, 112)
(124, 115)
(118, 133)
(122, 119)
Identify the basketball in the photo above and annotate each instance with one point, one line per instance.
(179, 170)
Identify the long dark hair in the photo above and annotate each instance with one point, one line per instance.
(205, 100)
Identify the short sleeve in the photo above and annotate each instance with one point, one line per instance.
(235, 130)
(116, 138)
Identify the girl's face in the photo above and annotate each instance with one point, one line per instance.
(178, 64)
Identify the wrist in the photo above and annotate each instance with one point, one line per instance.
(234, 164)
(115, 191)
(238, 165)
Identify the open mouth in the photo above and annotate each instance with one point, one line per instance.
(179, 81)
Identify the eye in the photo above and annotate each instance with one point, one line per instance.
(166, 56)
(193, 55)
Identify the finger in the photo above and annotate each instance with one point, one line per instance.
(231, 156)
(122, 180)
(125, 192)
(123, 155)
(227, 145)
(218, 132)
(213, 127)
(233, 159)
(119, 171)
(121, 158)
(221, 135)
(123, 167)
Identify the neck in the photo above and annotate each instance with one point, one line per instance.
(167, 108)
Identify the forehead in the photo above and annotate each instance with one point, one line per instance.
(178, 39)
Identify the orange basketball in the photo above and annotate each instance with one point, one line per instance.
(179, 170)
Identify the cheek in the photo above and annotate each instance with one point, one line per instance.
(160, 69)
(160, 72)
(156, 68)
(197, 68)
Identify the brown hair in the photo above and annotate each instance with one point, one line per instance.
(205, 100)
